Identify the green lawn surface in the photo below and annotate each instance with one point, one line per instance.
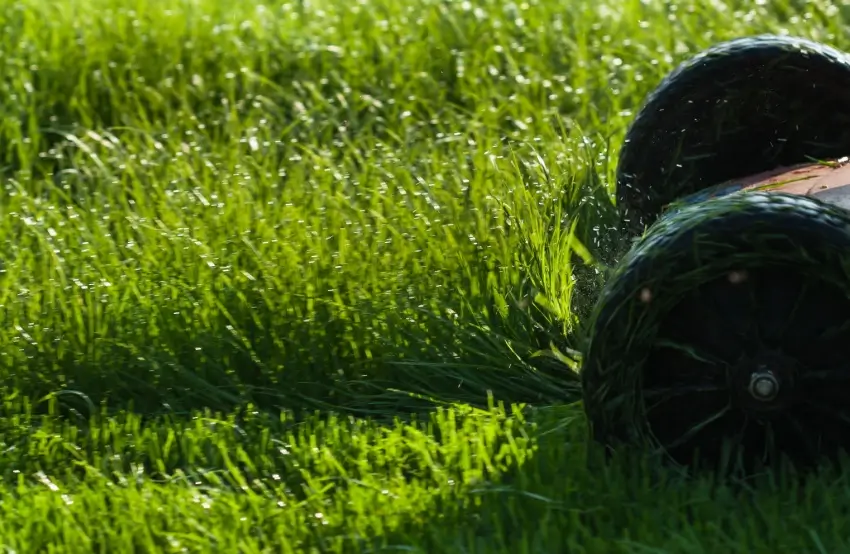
(311, 276)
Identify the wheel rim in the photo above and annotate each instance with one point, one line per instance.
(750, 368)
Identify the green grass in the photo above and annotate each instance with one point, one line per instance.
(311, 277)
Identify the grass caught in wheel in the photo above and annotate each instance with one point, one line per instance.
(298, 277)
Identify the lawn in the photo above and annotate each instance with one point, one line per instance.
(312, 277)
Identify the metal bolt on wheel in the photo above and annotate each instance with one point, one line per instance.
(764, 386)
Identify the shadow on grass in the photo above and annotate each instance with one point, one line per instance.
(417, 359)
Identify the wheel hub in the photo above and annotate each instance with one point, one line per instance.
(765, 382)
(764, 386)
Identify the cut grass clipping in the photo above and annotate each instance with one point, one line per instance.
(311, 276)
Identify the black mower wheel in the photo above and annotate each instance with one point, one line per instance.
(724, 336)
(739, 108)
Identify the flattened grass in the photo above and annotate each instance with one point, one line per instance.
(279, 277)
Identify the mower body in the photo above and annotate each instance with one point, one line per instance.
(827, 181)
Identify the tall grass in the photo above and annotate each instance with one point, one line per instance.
(267, 272)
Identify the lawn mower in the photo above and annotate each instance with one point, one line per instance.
(723, 335)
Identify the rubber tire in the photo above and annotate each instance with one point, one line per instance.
(734, 110)
(683, 250)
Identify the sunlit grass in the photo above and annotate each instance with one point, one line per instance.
(309, 277)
